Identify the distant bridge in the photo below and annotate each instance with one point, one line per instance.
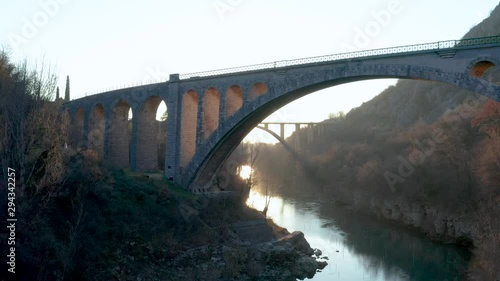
(209, 113)
(314, 128)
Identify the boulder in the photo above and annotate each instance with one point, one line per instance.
(297, 240)
(317, 252)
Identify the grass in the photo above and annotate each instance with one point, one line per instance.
(114, 224)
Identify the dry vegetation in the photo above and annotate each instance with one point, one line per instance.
(416, 146)
(450, 164)
(78, 219)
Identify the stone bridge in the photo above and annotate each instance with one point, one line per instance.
(209, 113)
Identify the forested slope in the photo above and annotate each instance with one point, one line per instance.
(421, 153)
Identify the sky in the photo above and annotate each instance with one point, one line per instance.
(110, 44)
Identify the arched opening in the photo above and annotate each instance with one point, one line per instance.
(96, 131)
(129, 130)
(234, 100)
(120, 135)
(161, 120)
(215, 158)
(148, 135)
(211, 103)
(77, 123)
(258, 89)
(189, 118)
(480, 68)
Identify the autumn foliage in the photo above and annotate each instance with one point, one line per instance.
(451, 163)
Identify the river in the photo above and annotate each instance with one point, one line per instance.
(361, 247)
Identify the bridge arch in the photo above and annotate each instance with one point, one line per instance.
(189, 118)
(283, 142)
(211, 104)
(193, 157)
(298, 85)
(234, 100)
(480, 65)
(119, 145)
(258, 89)
(147, 134)
(97, 130)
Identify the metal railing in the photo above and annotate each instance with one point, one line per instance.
(450, 44)
(124, 86)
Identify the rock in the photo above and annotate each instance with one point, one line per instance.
(298, 242)
(254, 269)
(321, 264)
(305, 267)
(317, 252)
(234, 255)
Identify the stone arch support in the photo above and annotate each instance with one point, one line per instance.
(119, 135)
(147, 135)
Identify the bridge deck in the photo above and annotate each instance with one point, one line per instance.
(442, 46)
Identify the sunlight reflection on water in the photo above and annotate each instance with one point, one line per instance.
(369, 251)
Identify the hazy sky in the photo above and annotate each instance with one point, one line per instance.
(105, 44)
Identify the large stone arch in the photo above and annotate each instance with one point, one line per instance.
(193, 159)
(297, 85)
(147, 135)
(189, 118)
(97, 130)
(119, 135)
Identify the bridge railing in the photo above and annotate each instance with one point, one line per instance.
(350, 55)
(450, 44)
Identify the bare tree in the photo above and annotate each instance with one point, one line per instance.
(33, 129)
(253, 153)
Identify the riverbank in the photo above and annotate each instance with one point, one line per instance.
(362, 247)
(438, 225)
(119, 225)
(475, 230)
(245, 246)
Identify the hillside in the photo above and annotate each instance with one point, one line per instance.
(422, 154)
(73, 217)
(411, 101)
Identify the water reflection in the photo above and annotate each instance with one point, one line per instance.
(245, 171)
(361, 248)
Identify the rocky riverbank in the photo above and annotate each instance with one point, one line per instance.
(246, 246)
(438, 225)
(226, 240)
(287, 258)
(130, 226)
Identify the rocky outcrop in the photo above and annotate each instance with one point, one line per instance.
(288, 258)
(436, 224)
